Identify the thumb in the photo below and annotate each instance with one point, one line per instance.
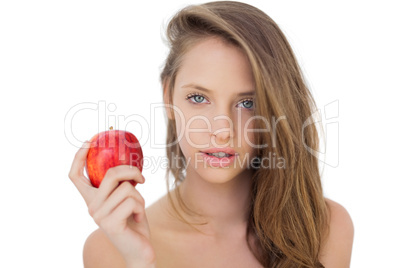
(76, 173)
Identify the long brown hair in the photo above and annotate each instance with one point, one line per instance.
(288, 216)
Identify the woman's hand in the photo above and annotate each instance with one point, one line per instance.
(118, 209)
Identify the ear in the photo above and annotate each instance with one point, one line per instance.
(166, 101)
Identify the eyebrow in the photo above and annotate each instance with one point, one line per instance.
(195, 86)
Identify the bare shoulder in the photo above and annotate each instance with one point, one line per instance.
(100, 252)
(337, 249)
(167, 235)
(157, 213)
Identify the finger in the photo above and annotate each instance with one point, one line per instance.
(77, 167)
(116, 222)
(122, 192)
(113, 177)
(76, 173)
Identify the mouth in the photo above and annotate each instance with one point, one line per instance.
(219, 159)
(219, 154)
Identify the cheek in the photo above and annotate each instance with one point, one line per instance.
(247, 131)
(197, 131)
(182, 115)
(193, 131)
(180, 129)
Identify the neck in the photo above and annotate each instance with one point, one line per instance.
(224, 206)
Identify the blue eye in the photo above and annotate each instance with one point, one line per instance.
(196, 98)
(248, 104)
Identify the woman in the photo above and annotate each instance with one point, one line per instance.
(247, 189)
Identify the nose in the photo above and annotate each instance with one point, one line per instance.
(223, 131)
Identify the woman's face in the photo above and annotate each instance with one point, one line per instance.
(213, 100)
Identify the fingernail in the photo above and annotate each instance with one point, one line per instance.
(86, 144)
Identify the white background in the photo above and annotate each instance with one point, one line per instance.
(58, 54)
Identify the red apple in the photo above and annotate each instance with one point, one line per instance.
(109, 149)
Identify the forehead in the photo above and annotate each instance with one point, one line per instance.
(216, 65)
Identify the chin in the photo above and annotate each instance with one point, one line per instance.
(217, 176)
(221, 175)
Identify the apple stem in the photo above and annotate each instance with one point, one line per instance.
(110, 128)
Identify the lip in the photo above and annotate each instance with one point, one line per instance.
(216, 161)
(217, 150)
